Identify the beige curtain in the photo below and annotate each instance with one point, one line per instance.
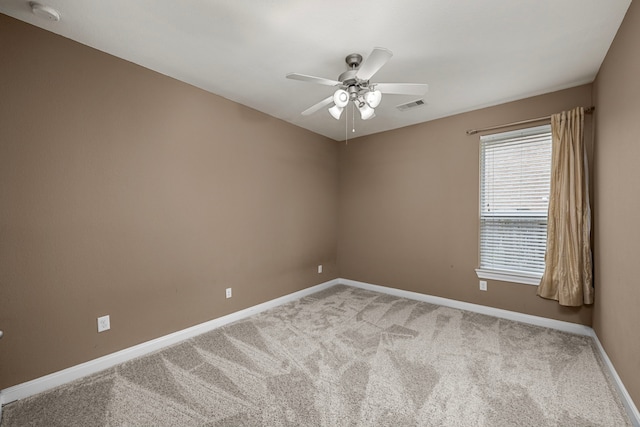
(568, 275)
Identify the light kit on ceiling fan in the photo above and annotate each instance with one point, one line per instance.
(340, 99)
(366, 111)
(354, 86)
(373, 98)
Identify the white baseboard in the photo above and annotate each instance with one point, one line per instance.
(73, 373)
(632, 410)
(573, 328)
(629, 405)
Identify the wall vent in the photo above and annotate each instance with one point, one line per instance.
(411, 105)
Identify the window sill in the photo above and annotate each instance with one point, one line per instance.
(509, 276)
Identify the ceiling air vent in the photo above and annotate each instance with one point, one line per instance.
(411, 105)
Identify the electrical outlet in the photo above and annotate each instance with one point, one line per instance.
(320, 268)
(228, 293)
(483, 285)
(104, 323)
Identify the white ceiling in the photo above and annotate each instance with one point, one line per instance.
(472, 53)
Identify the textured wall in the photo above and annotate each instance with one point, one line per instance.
(617, 203)
(127, 193)
(409, 208)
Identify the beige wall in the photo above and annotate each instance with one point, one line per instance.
(128, 193)
(616, 318)
(409, 208)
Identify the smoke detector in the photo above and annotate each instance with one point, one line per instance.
(46, 12)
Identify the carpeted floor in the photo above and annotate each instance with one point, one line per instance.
(347, 357)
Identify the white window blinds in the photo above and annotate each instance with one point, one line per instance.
(515, 171)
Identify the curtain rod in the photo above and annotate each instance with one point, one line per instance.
(587, 110)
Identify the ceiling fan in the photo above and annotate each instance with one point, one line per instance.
(354, 85)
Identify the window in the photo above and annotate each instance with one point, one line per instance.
(515, 173)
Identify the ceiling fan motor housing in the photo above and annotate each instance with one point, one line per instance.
(349, 78)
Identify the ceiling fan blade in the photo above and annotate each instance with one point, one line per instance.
(378, 57)
(312, 79)
(318, 106)
(403, 88)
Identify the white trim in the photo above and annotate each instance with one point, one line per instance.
(629, 405)
(508, 276)
(56, 379)
(632, 409)
(573, 328)
(73, 373)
